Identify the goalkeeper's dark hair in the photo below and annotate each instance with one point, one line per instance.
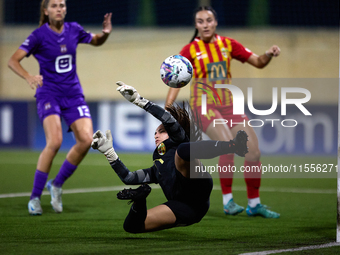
(202, 8)
(188, 120)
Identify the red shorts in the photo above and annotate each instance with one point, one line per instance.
(220, 114)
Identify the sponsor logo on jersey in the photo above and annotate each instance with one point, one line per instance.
(201, 55)
(26, 42)
(217, 70)
(63, 63)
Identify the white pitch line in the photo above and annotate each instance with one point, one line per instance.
(312, 247)
(61, 161)
(155, 186)
(238, 188)
(76, 191)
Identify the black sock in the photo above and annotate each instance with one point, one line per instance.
(134, 221)
(204, 149)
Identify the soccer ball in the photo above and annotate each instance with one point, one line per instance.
(176, 71)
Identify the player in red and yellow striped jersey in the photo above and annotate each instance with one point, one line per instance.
(211, 64)
(211, 55)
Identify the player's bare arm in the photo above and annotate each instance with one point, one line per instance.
(34, 81)
(172, 95)
(99, 39)
(264, 59)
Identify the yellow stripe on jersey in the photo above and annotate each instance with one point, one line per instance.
(197, 65)
(197, 72)
(214, 52)
(203, 55)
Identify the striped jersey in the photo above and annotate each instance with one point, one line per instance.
(211, 65)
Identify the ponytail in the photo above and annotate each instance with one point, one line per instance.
(43, 17)
(195, 34)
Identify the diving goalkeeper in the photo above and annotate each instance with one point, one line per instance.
(174, 156)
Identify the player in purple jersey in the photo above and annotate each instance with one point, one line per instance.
(58, 94)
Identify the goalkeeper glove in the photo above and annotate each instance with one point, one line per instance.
(104, 145)
(131, 94)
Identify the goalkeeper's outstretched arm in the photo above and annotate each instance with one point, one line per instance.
(174, 129)
(137, 177)
(104, 145)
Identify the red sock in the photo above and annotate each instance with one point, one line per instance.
(226, 178)
(252, 179)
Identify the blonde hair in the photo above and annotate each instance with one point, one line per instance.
(43, 18)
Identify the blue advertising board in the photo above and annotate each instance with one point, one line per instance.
(15, 124)
(133, 129)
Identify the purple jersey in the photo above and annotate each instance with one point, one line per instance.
(56, 54)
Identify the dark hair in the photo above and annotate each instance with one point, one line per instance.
(202, 8)
(187, 119)
(44, 18)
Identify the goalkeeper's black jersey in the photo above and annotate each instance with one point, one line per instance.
(174, 185)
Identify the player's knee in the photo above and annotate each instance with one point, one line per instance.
(54, 143)
(253, 155)
(85, 141)
(88, 141)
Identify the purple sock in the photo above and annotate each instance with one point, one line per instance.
(66, 170)
(40, 179)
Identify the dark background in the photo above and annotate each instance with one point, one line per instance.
(232, 13)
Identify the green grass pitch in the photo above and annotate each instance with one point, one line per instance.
(91, 222)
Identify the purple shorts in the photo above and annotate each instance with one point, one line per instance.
(70, 108)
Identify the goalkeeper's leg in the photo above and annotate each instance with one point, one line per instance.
(211, 149)
(140, 220)
(135, 220)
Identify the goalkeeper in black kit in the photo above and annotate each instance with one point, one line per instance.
(178, 150)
